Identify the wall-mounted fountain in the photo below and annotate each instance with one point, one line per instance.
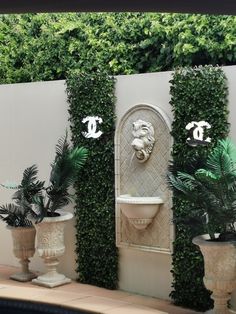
(143, 200)
(139, 210)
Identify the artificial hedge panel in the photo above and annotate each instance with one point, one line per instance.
(197, 94)
(97, 256)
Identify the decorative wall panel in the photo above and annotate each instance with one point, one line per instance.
(144, 179)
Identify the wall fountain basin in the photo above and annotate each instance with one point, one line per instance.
(139, 210)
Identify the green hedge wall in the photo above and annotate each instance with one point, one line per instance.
(37, 47)
(197, 94)
(93, 95)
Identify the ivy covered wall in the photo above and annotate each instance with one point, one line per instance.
(40, 47)
(197, 94)
(97, 258)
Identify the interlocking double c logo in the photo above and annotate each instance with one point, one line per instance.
(196, 133)
(92, 127)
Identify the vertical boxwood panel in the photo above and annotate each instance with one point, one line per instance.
(197, 94)
(93, 95)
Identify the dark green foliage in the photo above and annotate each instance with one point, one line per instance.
(64, 171)
(15, 216)
(37, 47)
(93, 95)
(212, 190)
(20, 213)
(196, 94)
(29, 187)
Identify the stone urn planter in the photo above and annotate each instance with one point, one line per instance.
(23, 248)
(220, 270)
(50, 246)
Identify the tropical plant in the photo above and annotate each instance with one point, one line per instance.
(212, 190)
(18, 214)
(64, 169)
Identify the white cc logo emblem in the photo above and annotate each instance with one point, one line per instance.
(92, 127)
(196, 133)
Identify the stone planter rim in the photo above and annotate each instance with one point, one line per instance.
(64, 215)
(201, 240)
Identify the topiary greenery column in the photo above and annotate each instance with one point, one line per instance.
(92, 95)
(196, 94)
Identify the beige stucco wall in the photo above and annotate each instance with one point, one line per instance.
(34, 115)
(32, 118)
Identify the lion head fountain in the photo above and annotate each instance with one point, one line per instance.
(144, 140)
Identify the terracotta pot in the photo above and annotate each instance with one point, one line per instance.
(50, 246)
(23, 248)
(220, 270)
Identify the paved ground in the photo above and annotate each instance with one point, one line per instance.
(76, 295)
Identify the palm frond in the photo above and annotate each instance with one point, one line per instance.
(211, 187)
(29, 186)
(59, 202)
(62, 146)
(66, 167)
(228, 146)
(206, 175)
(222, 159)
(39, 209)
(78, 157)
(29, 176)
(14, 215)
(64, 170)
(18, 214)
(178, 184)
(8, 209)
(10, 185)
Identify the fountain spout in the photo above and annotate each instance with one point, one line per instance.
(144, 140)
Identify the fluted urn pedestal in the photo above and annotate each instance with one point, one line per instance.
(23, 248)
(50, 246)
(220, 270)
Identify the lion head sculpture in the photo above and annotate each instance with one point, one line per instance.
(144, 140)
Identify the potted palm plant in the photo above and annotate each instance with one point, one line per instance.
(48, 208)
(17, 217)
(212, 190)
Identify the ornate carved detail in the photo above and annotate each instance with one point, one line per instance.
(158, 236)
(140, 223)
(220, 270)
(50, 239)
(23, 248)
(144, 140)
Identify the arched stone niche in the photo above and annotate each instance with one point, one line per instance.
(144, 179)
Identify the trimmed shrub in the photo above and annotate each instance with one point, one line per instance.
(93, 95)
(197, 94)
